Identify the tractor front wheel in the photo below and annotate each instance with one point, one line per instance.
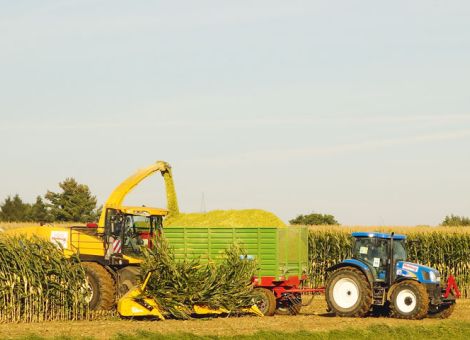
(265, 301)
(410, 300)
(348, 293)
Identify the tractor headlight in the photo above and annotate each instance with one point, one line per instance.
(433, 277)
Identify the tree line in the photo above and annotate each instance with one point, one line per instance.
(73, 203)
(325, 219)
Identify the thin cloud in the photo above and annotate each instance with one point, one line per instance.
(240, 123)
(304, 153)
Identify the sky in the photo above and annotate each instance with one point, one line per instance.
(359, 109)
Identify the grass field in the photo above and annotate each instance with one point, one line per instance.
(311, 323)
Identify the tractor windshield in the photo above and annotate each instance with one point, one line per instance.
(371, 250)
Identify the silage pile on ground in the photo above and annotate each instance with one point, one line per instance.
(178, 285)
(225, 218)
(38, 283)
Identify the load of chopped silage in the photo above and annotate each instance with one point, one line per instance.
(179, 285)
(225, 218)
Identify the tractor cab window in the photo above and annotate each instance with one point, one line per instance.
(373, 252)
(399, 250)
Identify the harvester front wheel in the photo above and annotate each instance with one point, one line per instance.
(265, 301)
(410, 300)
(348, 293)
(101, 284)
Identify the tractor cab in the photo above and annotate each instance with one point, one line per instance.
(380, 253)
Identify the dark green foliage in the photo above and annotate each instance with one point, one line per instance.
(15, 210)
(177, 285)
(40, 212)
(74, 203)
(456, 221)
(314, 219)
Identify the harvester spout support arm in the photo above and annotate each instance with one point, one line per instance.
(120, 192)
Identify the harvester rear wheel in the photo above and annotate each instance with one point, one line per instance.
(265, 301)
(101, 284)
(410, 300)
(348, 293)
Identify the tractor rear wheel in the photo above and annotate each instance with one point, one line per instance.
(101, 284)
(410, 300)
(348, 293)
(265, 301)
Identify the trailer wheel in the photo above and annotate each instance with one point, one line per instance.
(290, 304)
(102, 286)
(265, 301)
(348, 293)
(410, 300)
(442, 312)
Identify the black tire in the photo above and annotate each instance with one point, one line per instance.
(102, 285)
(291, 304)
(442, 312)
(128, 278)
(409, 300)
(348, 283)
(265, 301)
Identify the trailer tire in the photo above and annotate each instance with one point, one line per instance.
(443, 312)
(265, 301)
(348, 293)
(102, 286)
(410, 300)
(291, 304)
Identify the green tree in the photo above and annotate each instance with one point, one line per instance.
(40, 212)
(74, 204)
(314, 219)
(15, 210)
(456, 221)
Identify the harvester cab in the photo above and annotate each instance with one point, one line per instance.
(379, 278)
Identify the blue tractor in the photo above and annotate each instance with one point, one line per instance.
(378, 277)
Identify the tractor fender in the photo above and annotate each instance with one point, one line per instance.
(355, 264)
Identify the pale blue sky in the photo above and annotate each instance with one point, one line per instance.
(360, 109)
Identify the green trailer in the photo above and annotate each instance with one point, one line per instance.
(281, 254)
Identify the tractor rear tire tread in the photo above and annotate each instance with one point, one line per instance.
(364, 289)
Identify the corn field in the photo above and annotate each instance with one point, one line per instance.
(38, 283)
(446, 249)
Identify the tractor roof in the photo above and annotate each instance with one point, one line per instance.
(378, 235)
